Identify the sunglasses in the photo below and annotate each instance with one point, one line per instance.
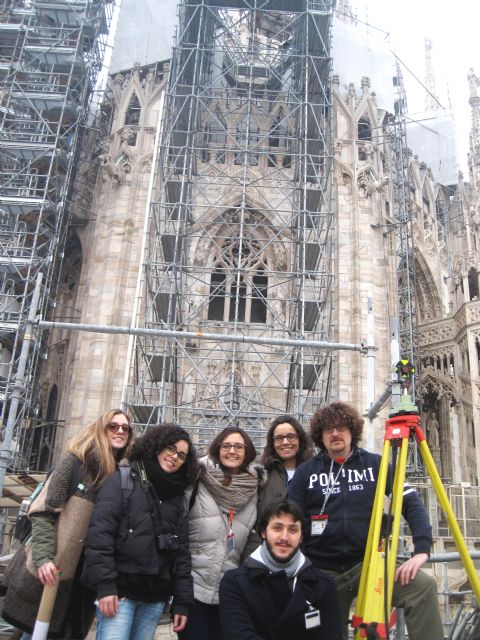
(340, 429)
(114, 427)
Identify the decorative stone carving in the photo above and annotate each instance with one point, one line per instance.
(115, 172)
(433, 429)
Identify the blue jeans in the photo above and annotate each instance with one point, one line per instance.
(134, 621)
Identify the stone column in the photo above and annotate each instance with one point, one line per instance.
(466, 289)
(445, 448)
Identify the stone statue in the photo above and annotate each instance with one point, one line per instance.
(433, 429)
(473, 83)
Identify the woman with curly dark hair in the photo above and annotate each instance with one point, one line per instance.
(223, 514)
(288, 445)
(136, 553)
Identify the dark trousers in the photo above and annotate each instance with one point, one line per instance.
(418, 599)
(203, 623)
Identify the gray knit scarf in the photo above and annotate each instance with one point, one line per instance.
(291, 568)
(234, 496)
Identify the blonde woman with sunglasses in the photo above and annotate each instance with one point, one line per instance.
(60, 515)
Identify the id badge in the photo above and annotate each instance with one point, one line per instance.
(319, 524)
(312, 619)
(230, 542)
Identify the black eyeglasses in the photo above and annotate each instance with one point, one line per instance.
(291, 437)
(225, 446)
(172, 450)
(114, 427)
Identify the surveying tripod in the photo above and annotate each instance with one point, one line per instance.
(373, 616)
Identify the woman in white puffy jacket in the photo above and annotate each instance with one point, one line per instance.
(223, 514)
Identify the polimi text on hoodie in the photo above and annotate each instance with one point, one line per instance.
(352, 476)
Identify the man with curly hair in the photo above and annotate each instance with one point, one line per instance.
(336, 491)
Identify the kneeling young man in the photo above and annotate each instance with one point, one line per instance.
(278, 593)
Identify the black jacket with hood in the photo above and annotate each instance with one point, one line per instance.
(139, 552)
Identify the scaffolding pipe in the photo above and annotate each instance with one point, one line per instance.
(19, 385)
(220, 337)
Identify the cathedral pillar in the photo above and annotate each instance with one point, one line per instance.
(466, 290)
(462, 429)
(445, 449)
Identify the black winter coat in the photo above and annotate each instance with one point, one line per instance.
(258, 605)
(341, 545)
(128, 555)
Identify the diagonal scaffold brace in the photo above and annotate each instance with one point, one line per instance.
(373, 616)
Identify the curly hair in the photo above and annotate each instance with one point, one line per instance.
(92, 443)
(305, 449)
(156, 438)
(334, 415)
(214, 450)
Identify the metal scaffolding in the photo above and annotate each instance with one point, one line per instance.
(50, 54)
(239, 237)
(403, 224)
(403, 221)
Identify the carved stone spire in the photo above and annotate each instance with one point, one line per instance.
(431, 97)
(474, 155)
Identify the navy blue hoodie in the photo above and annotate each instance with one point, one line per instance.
(342, 542)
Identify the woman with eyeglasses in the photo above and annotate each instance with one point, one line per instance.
(222, 515)
(60, 515)
(288, 445)
(136, 552)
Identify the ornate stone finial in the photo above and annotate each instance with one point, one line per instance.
(473, 83)
(336, 80)
(352, 94)
(365, 84)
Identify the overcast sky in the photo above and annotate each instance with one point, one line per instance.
(453, 29)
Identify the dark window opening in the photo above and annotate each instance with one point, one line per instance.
(259, 297)
(473, 284)
(217, 296)
(134, 110)
(364, 129)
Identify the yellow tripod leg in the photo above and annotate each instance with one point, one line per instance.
(371, 593)
(452, 522)
(397, 502)
(373, 568)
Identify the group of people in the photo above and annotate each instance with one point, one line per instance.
(236, 549)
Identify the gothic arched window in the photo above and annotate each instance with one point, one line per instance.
(278, 132)
(278, 139)
(238, 284)
(364, 129)
(134, 110)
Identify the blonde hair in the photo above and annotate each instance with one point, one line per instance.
(93, 441)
